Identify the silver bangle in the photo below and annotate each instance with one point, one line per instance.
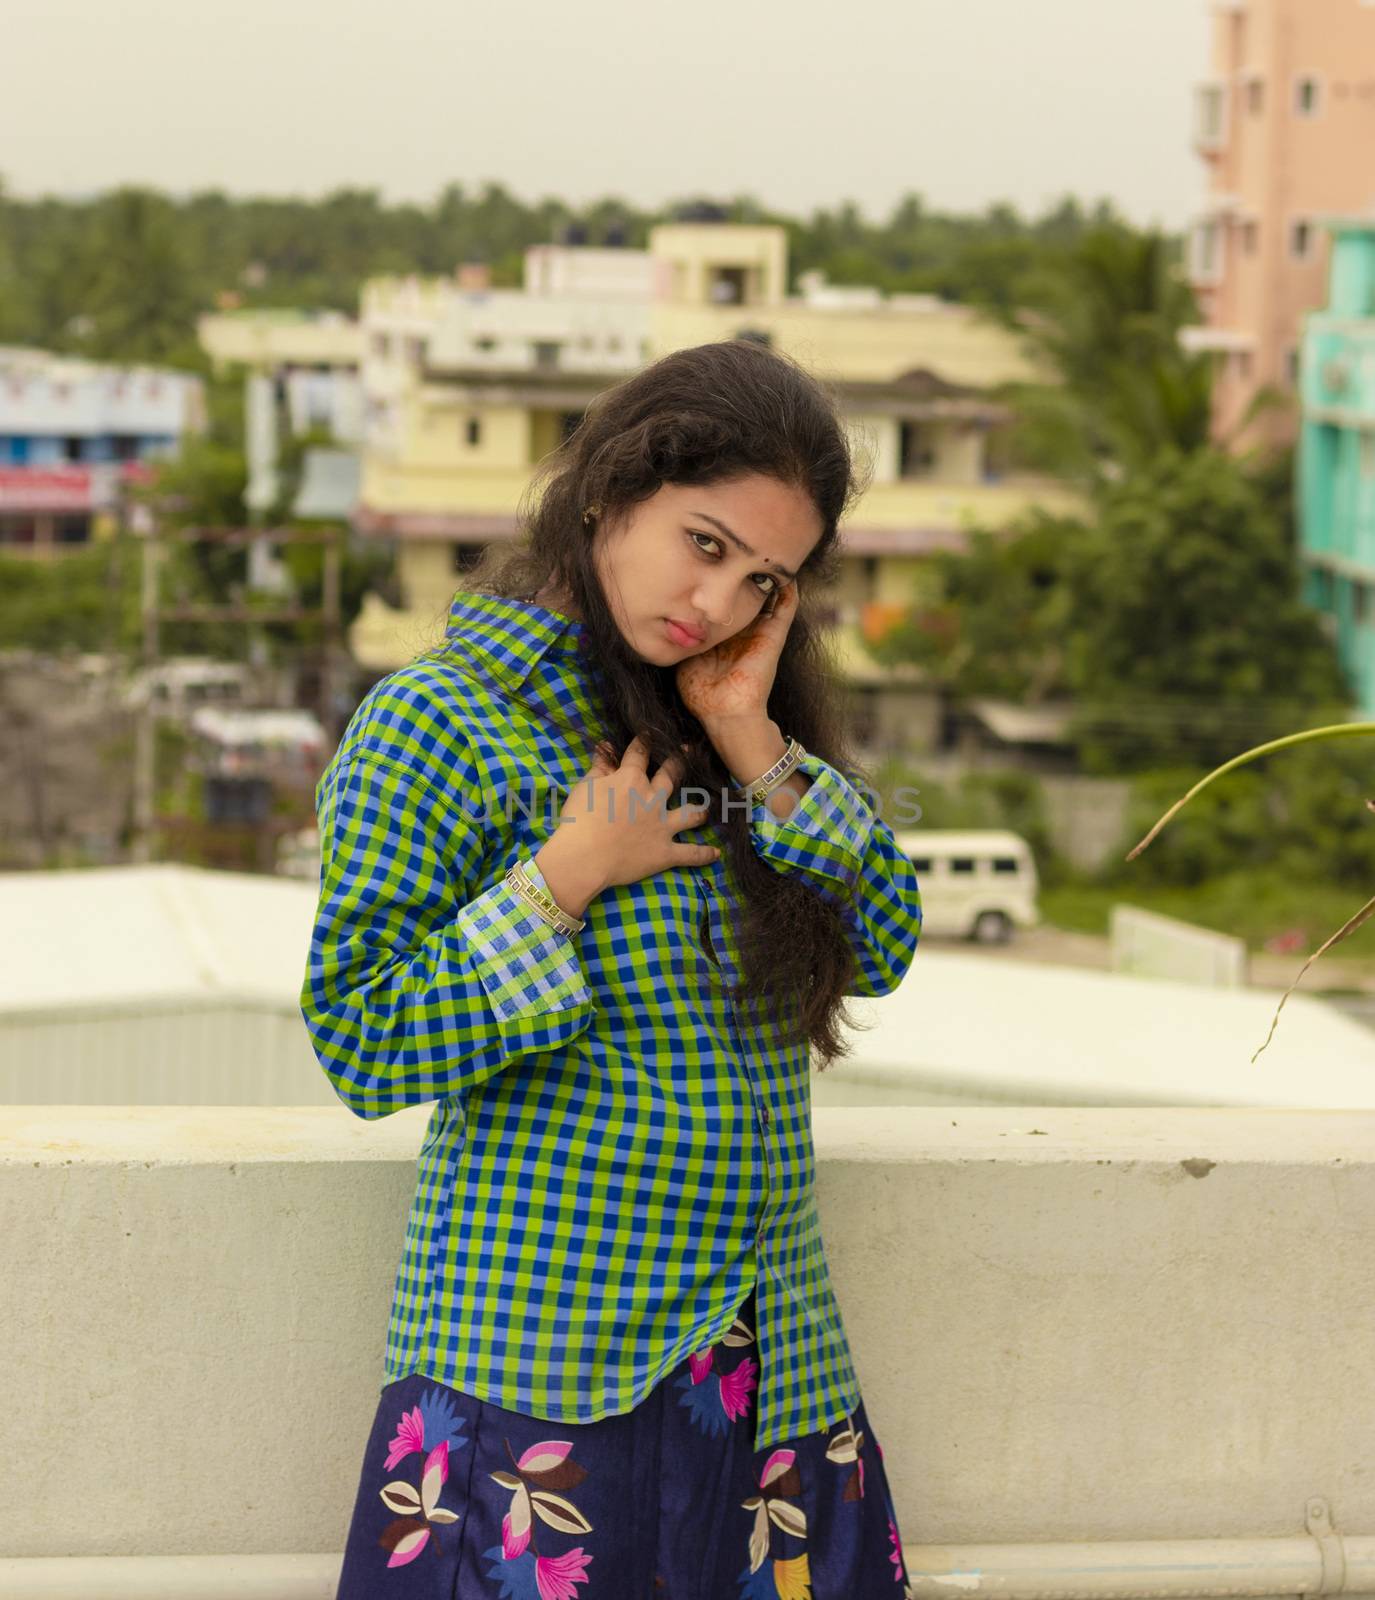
(764, 785)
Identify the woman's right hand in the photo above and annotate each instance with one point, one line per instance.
(604, 839)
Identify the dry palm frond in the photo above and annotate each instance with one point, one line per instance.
(1340, 730)
(1362, 916)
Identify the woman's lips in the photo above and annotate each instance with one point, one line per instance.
(681, 636)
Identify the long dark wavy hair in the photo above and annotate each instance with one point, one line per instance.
(700, 416)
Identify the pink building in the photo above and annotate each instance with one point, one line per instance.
(1286, 125)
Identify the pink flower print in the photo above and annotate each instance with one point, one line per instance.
(410, 1435)
(844, 1446)
(700, 1364)
(895, 1554)
(408, 1547)
(545, 1455)
(555, 1576)
(515, 1526)
(409, 1534)
(736, 1387)
(542, 1469)
(780, 1484)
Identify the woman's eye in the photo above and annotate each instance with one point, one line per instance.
(715, 543)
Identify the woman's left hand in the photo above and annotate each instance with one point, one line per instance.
(733, 679)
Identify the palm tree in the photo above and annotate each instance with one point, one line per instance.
(1103, 319)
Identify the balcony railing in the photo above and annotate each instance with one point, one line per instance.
(1070, 1325)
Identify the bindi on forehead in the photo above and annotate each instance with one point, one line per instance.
(736, 540)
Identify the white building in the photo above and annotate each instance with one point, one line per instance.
(72, 433)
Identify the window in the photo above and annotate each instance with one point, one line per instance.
(1360, 604)
(1250, 238)
(963, 865)
(415, 350)
(1242, 365)
(1301, 239)
(485, 343)
(1306, 97)
(1005, 864)
(1291, 364)
(1368, 455)
(546, 353)
(726, 286)
(916, 449)
(1255, 97)
(1210, 112)
(474, 430)
(922, 863)
(466, 556)
(1205, 263)
(72, 530)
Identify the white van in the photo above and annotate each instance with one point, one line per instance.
(979, 884)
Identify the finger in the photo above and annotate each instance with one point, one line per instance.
(636, 754)
(696, 855)
(687, 817)
(671, 771)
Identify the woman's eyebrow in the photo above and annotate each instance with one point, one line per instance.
(737, 540)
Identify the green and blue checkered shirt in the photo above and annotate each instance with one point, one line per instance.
(617, 1153)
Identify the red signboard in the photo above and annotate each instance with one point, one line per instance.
(45, 488)
(72, 488)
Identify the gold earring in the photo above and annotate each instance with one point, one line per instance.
(590, 515)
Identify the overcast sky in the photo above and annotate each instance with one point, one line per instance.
(794, 101)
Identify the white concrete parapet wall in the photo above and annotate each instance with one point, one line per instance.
(1070, 1324)
(1152, 946)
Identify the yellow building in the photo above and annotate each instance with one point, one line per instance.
(466, 389)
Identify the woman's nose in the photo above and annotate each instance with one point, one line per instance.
(716, 602)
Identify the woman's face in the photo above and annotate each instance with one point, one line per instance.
(680, 558)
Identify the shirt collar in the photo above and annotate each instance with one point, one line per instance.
(510, 636)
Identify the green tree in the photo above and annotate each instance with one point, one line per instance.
(999, 624)
(140, 299)
(123, 275)
(1188, 632)
(1103, 315)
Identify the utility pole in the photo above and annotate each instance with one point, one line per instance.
(145, 733)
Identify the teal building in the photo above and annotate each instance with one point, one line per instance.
(1336, 460)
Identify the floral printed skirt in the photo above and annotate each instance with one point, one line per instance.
(463, 1500)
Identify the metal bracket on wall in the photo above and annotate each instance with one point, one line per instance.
(1318, 1520)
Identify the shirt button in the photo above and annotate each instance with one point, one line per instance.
(766, 1115)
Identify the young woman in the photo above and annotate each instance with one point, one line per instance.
(597, 880)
